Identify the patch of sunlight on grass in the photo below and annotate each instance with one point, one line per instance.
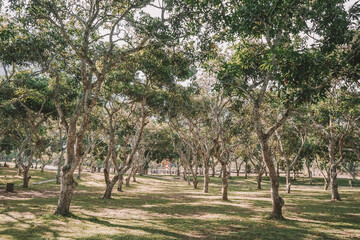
(161, 207)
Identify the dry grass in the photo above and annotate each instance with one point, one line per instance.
(167, 208)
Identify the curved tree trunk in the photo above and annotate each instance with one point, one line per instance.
(109, 184)
(108, 190)
(277, 201)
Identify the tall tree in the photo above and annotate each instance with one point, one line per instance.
(277, 59)
(98, 36)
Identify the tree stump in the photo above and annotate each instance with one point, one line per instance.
(10, 187)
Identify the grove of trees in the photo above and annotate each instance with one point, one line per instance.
(264, 86)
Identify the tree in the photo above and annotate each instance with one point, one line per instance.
(282, 63)
(29, 97)
(335, 118)
(94, 38)
(291, 152)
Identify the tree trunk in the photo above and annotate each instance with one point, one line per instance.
(121, 180)
(194, 174)
(288, 183)
(229, 175)
(238, 172)
(92, 164)
(246, 170)
(127, 180)
(195, 183)
(19, 172)
(294, 174)
(26, 177)
(80, 168)
(108, 190)
(206, 176)
(309, 171)
(277, 201)
(188, 176)
(178, 169)
(42, 167)
(134, 175)
(334, 187)
(26, 169)
(58, 172)
(184, 174)
(326, 184)
(224, 177)
(67, 188)
(259, 179)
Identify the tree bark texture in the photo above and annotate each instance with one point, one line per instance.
(288, 183)
(224, 179)
(334, 186)
(120, 184)
(67, 188)
(206, 176)
(277, 201)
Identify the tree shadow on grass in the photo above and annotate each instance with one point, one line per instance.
(33, 231)
(135, 201)
(149, 230)
(196, 209)
(245, 229)
(333, 213)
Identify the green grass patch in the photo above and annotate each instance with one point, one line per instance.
(165, 207)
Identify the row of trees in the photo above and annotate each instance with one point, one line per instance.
(266, 83)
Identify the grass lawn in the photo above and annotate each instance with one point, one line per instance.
(167, 208)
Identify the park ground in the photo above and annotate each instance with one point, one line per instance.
(164, 207)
